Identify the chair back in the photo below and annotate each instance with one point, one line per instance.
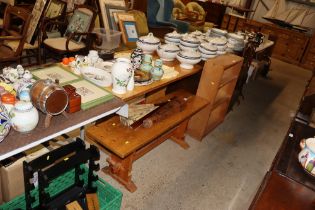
(16, 23)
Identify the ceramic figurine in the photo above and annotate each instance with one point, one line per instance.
(307, 155)
(27, 75)
(157, 71)
(11, 74)
(93, 57)
(20, 70)
(136, 58)
(121, 74)
(24, 117)
(4, 122)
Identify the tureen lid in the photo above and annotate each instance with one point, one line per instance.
(218, 41)
(174, 34)
(208, 46)
(219, 31)
(23, 105)
(150, 38)
(238, 37)
(190, 39)
(169, 48)
(190, 54)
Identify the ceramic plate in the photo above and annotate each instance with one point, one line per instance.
(97, 76)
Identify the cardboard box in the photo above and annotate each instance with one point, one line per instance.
(12, 178)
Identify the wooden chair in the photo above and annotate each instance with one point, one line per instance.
(74, 38)
(16, 23)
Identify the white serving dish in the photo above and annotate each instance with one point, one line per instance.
(218, 41)
(171, 42)
(167, 52)
(221, 47)
(235, 36)
(148, 43)
(104, 65)
(172, 39)
(219, 31)
(97, 76)
(221, 52)
(185, 48)
(188, 58)
(189, 41)
(207, 47)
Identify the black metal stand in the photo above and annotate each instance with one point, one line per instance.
(54, 164)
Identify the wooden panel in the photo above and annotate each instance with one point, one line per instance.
(217, 84)
(123, 141)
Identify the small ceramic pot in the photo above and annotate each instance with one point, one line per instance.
(307, 155)
(167, 52)
(121, 74)
(4, 122)
(24, 117)
(148, 43)
(188, 58)
(157, 71)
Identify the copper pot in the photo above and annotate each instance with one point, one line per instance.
(49, 97)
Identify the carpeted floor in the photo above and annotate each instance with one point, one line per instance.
(226, 168)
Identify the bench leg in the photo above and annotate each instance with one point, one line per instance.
(178, 135)
(120, 170)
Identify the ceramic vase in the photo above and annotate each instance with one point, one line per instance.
(157, 71)
(4, 122)
(24, 117)
(121, 74)
(136, 58)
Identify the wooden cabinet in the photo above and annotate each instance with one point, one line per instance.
(289, 46)
(217, 84)
(308, 60)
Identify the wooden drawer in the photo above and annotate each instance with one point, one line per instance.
(310, 56)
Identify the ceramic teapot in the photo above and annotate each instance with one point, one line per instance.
(307, 155)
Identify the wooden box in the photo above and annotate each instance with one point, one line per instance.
(74, 104)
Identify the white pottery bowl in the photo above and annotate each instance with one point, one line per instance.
(188, 58)
(148, 43)
(167, 52)
(97, 76)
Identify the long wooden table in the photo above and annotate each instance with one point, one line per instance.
(126, 145)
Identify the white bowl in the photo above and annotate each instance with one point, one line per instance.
(188, 58)
(167, 52)
(97, 76)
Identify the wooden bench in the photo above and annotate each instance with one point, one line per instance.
(126, 145)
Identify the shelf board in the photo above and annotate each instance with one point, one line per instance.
(227, 79)
(220, 101)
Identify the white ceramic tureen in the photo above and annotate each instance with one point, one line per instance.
(172, 37)
(148, 43)
(219, 41)
(167, 52)
(208, 48)
(217, 31)
(188, 58)
(189, 41)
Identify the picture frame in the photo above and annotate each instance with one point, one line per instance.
(55, 8)
(55, 71)
(112, 12)
(79, 22)
(36, 15)
(128, 27)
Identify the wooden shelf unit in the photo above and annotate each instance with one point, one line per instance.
(217, 85)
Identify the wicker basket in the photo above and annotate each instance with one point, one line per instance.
(109, 197)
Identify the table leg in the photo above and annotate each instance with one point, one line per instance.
(120, 169)
(82, 133)
(178, 135)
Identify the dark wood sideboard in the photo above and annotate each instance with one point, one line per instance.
(286, 185)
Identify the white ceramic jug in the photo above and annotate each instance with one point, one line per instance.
(121, 74)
